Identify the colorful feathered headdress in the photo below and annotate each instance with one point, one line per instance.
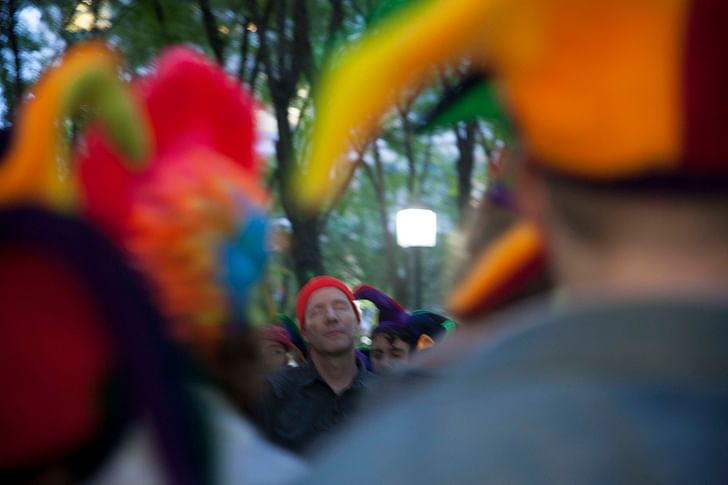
(82, 345)
(193, 218)
(608, 91)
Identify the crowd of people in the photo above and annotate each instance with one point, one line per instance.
(589, 343)
(308, 400)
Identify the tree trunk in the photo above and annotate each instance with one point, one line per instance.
(12, 82)
(337, 17)
(161, 20)
(244, 42)
(409, 153)
(305, 247)
(213, 36)
(391, 253)
(306, 228)
(465, 134)
(294, 58)
(261, 21)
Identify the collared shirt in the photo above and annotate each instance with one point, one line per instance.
(301, 407)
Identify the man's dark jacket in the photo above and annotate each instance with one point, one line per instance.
(300, 407)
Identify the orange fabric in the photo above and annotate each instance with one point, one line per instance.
(595, 86)
(30, 171)
(499, 267)
(178, 221)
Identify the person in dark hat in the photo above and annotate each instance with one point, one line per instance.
(399, 333)
(303, 403)
(622, 115)
(275, 345)
(393, 341)
(392, 345)
(429, 328)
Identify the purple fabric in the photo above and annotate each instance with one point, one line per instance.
(389, 309)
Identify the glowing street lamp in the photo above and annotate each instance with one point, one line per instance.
(416, 228)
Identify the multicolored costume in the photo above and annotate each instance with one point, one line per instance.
(95, 386)
(616, 93)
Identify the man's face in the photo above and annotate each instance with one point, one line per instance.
(388, 351)
(331, 323)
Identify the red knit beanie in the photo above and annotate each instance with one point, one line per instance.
(317, 283)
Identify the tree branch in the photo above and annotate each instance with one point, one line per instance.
(14, 49)
(302, 53)
(261, 57)
(336, 20)
(342, 188)
(426, 162)
(161, 19)
(213, 36)
(243, 50)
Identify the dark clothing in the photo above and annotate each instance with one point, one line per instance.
(635, 393)
(301, 407)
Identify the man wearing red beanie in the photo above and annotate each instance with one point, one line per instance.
(308, 401)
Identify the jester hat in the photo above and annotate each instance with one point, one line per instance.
(277, 334)
(294, 333)
(420, 328)
(192, 219)
(392, 316)
(604, 91)
(389, 309)
(82, 348)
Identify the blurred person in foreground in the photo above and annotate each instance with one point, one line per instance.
(623, 115)
(98, 390)
(495, 215)
(305, 403)
(194, 223)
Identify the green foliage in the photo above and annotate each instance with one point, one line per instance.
(256, 40)
(386, 8)
(477, 100)
(141, 29)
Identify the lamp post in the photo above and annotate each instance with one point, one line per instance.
(416, 229)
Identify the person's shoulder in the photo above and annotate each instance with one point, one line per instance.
(457, 432)
(290, 377)
(242, 455)
(368, 377)
(561, 375)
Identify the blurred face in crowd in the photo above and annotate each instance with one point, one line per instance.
(387, 351)
(274, 355)
(331, 322)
